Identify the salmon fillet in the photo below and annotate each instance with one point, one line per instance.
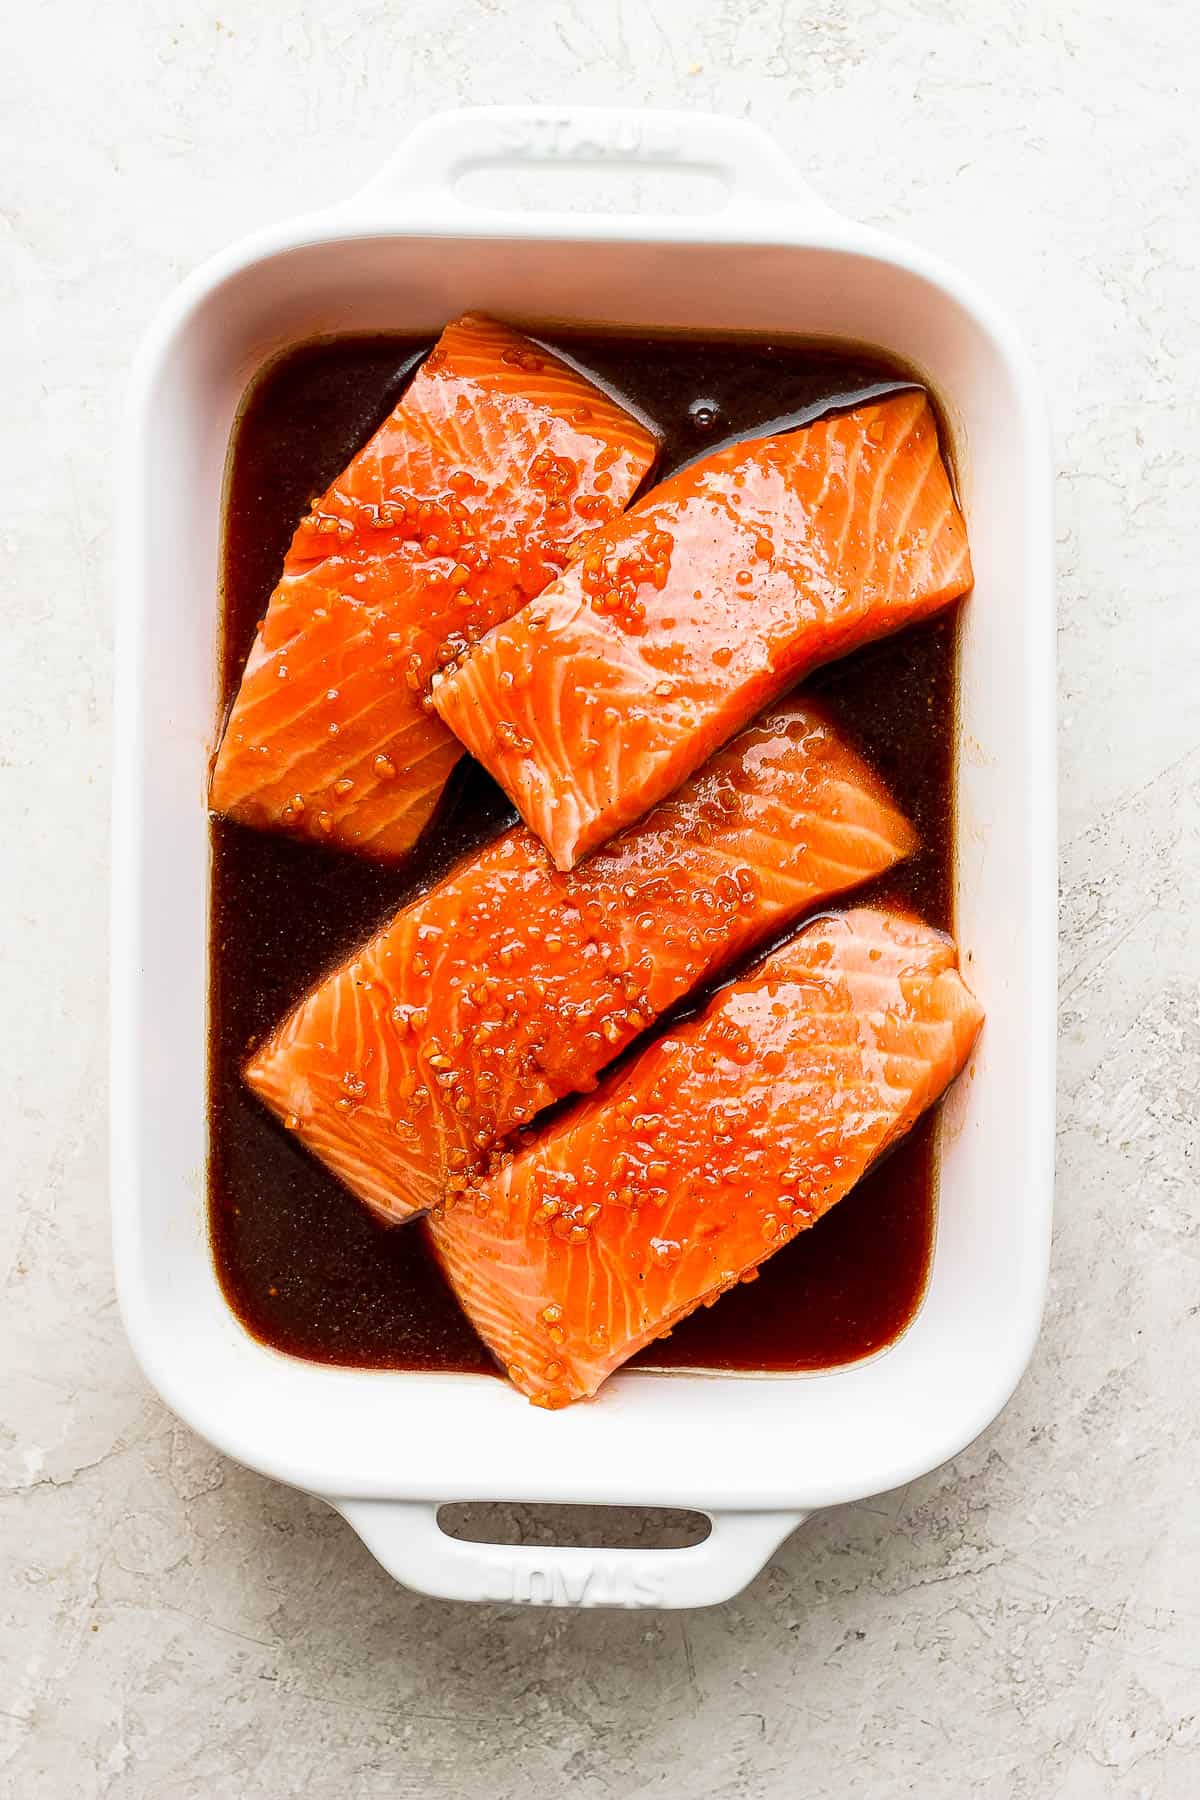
(709, 1151)
(715, 593)
(458, 511)
(511, 984)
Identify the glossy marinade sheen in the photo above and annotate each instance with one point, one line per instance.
(677, 622)
(300, 1261)
(717, 1144)
(511, 984)
(457, 510)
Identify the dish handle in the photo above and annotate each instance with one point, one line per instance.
(420, 180)
(406, 1538)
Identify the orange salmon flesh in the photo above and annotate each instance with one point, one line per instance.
(459, 510)
(511, 984)
(715, 1146)
(675, 624)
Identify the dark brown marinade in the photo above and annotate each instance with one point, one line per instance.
(302, 1263)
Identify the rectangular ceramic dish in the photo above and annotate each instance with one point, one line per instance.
(755, 1454)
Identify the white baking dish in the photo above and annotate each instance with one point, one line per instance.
(756, 1455)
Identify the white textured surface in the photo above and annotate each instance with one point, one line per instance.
(1022, 1624)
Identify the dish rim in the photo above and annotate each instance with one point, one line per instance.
(780, 214)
